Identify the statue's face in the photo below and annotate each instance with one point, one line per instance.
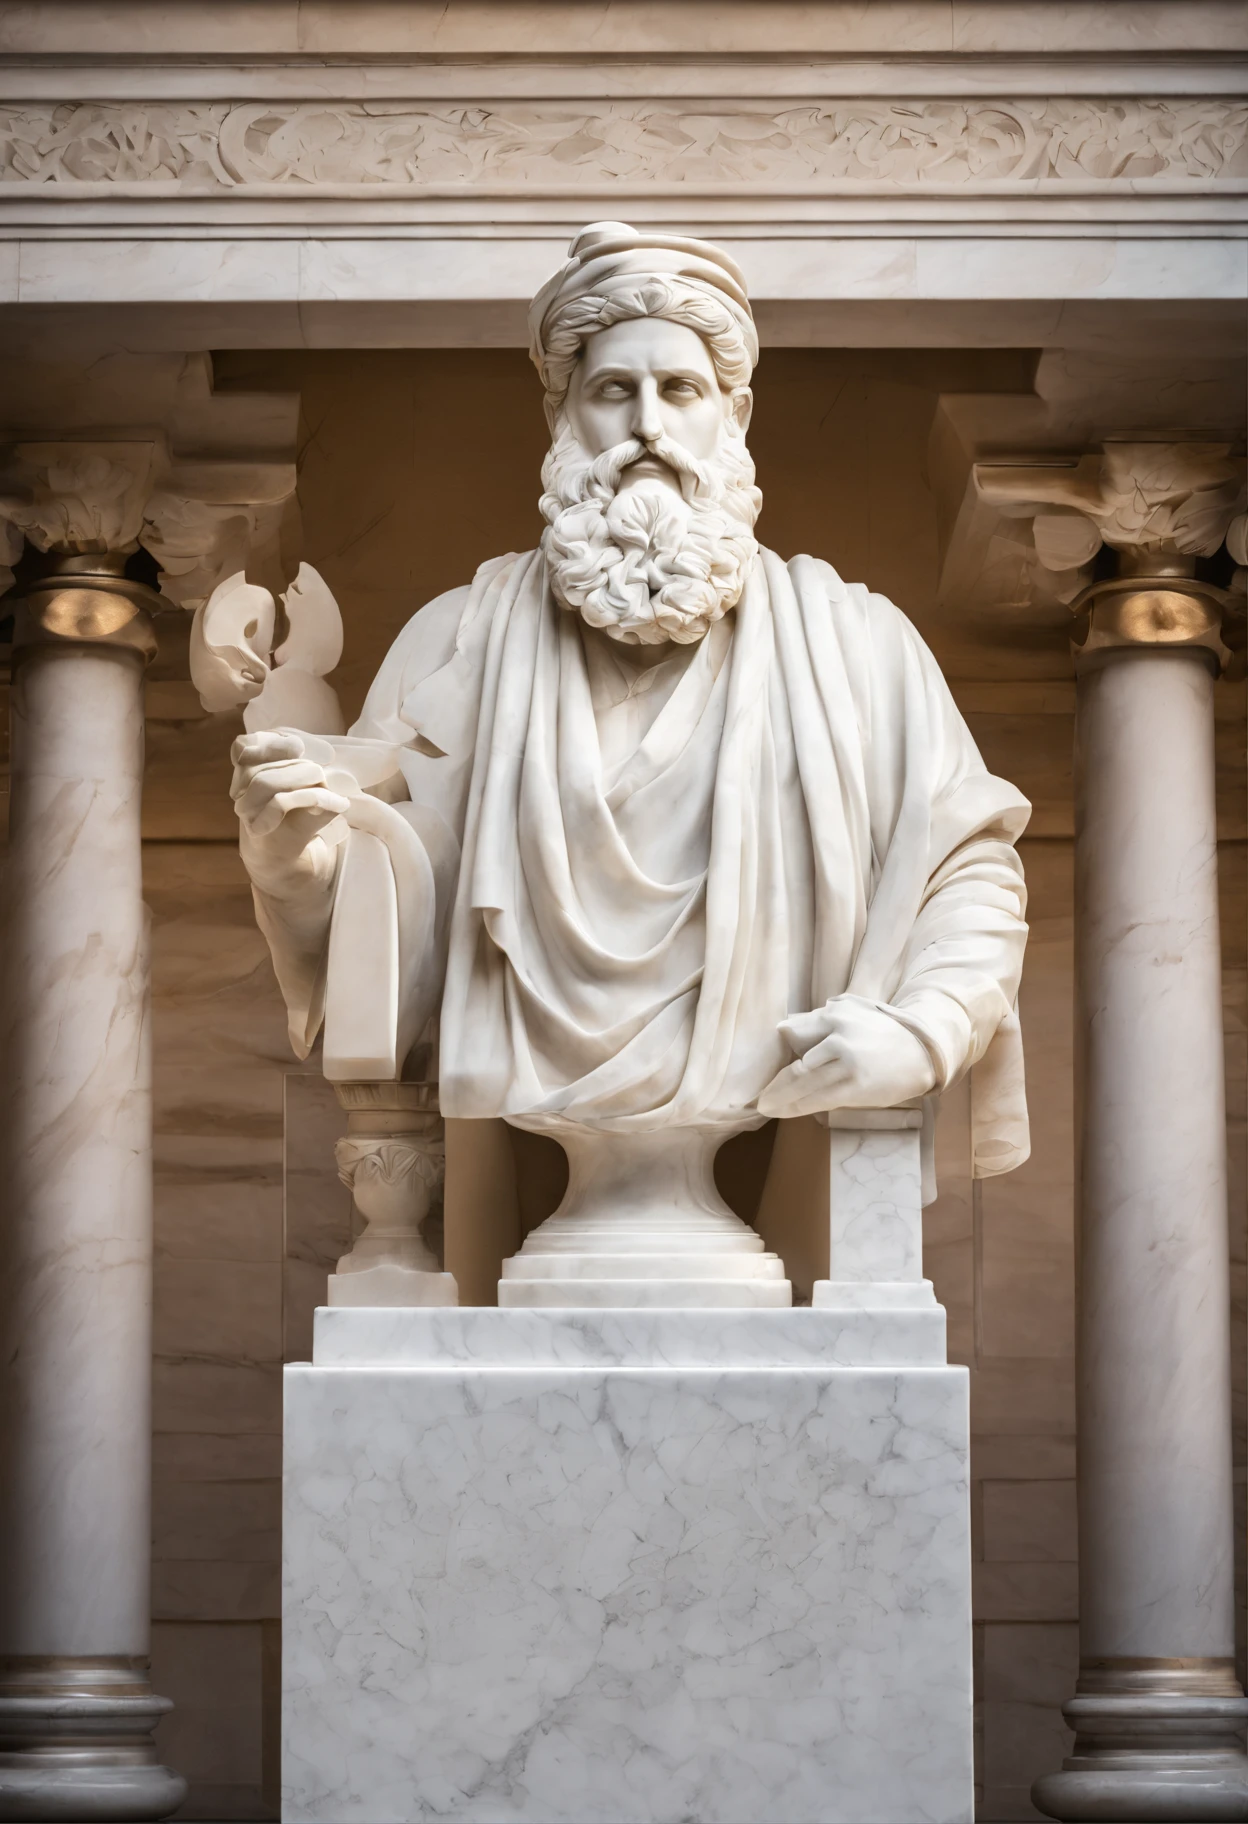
(646, 379)
(648, 489)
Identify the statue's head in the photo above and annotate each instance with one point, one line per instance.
(645, 344)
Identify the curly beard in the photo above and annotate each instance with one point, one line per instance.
(645, 563)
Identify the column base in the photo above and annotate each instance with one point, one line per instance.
(75, 1742)
(1146, 1749)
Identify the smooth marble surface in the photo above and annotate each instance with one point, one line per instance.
(875, 1215)
(483, 1336)
(451, 273)
(76, 1285)
(875, 1203)
(542, 1593)
(582, 821)
(76, 1707)
(642, 1224)
(958, 31)
(1158, 1712)
(1155, 1425)
(391, 1283)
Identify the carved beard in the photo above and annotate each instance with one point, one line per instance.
(645, 563)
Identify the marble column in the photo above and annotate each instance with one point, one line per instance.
(1159, 1714)
(76, 1707)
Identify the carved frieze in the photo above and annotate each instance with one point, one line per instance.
(197, 146)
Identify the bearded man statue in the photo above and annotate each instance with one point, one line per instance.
(654, 835)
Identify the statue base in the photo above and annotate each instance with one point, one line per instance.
(632, 1567)
(392, 1284)
(643, 1226)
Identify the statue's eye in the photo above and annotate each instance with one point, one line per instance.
(614, 389)
(683, 389)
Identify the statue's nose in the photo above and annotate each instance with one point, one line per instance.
(647, 424)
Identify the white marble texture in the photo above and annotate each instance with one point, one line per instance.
(1159, 1712)
(482, 1336)
(392, 1284)
(76, 1286)
(642, 1224)
(233, 662)
(1155, 1427)
(875, 1213)
(76, 1707)
(608, 861)
(583, 1593)
(458, 274)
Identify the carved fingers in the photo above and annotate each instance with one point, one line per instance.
(854, 1055)
(274, 780)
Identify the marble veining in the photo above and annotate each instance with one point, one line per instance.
(605, 821)
(729, 1594)
(481, 1336)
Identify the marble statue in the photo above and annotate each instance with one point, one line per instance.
(647, 834)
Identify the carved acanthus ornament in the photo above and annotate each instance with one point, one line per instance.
(78, 497)
(81, 506)
(1159, 507)
(93, 499)
(862, 144)
(197, 541)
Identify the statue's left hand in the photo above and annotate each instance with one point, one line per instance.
(852, 1056)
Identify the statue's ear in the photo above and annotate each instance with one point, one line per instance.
(740, 406)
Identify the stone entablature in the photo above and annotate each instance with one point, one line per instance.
(1062, 145)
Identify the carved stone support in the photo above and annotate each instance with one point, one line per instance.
(76, 1708)
(393, 1161)
(642, 1224)
(1159, 1715)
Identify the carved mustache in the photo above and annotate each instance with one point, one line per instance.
(602, 478)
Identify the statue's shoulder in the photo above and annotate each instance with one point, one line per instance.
(439, 629)
(857, 611)
(434, 661)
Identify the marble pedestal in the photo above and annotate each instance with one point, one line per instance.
(627, 1565)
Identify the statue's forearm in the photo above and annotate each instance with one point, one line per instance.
(294, 906)
(965, 960)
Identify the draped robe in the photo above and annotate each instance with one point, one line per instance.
(614, 936)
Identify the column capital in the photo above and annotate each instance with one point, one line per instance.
(200, 518)
(1159, 507)
(209, 519)
(1154, 502)
(78, 496)
(81, 504)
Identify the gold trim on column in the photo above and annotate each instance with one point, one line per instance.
(86, 601)
(1162, 613)
(74, 1675)
(1161, 1677)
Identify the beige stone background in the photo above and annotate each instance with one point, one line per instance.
(416, 466)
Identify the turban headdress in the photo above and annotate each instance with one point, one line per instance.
(614, 273)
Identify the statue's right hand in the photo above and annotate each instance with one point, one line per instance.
(283, 802)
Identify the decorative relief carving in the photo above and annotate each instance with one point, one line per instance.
(205, 146)
(77, 496)
(1148, 497)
